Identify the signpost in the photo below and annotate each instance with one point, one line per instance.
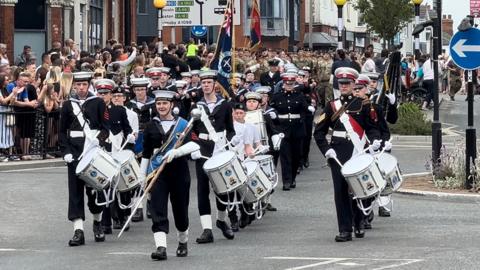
(199, 30)
(465, 52)
(196, 12)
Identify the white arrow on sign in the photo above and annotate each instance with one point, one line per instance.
(459, 48)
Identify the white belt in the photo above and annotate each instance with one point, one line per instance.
(76, 134)
(340, 134)
(289, 116)
(206, 137)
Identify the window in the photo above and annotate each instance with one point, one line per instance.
(30, 14)
(142, 7)
(95, 27)
(271, 8)
(361, 20)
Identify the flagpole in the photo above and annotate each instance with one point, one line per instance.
(232, 6)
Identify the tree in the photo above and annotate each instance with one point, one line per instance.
(385, 17)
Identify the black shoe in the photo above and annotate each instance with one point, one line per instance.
(286, 187)
(251, 218)
(98, 232)
(117, 225)
(226, 230)
(138, 215)
(383, 212)
(234, 225)
(299, 170)
(107, 229)
(370, 217)
(148, 210)
(243, 221)
(182, 250)
(78, 239)
(367, 225)
(160, 254)
(306, 164)
(126, 228)
(206, 237)
(343, 237)
(359, 233)
(452, 98)
(271, 208)
(293, 184)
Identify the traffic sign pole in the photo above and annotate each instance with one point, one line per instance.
(470, 134)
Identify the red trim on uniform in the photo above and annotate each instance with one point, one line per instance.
(154, 73)
(346, 76)
(356, 127)
(362, 82)
(104, 86)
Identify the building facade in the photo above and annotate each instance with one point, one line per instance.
(39, 23)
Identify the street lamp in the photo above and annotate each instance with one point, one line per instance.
(417, 4)
(340, 4)
(160, 4)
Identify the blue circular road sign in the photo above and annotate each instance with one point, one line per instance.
(465, 49)
(199, 30)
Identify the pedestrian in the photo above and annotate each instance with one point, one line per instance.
(340, 61)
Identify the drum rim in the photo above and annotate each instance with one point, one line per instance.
(208, 161)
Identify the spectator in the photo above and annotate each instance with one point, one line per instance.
(7, 121)
(369, 65)
(3, 55)
(56, 47)
(24, 57)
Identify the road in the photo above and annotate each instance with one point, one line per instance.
(421, 234)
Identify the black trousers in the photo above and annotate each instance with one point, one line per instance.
(290, 154)
(203, 191)
(179, 190)
(76, 196)
(308, 138)
(348, 214)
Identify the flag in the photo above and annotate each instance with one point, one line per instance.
(255, 26)
(222, 61)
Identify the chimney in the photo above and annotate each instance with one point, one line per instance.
(447, 24)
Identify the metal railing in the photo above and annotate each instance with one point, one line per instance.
(28, 134)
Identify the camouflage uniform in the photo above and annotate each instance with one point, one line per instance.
(324, 89)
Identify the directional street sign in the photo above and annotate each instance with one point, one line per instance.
(465, 49)
(199, 30)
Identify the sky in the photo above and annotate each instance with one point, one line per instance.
(457, 8)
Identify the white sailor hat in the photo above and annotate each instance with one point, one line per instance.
(253, 95)
(156, 71)
(180, 83)
(186, 74)
(289, 76)
(362, 81)
(301, 73)
(139, 82)
(164, 95)
(372, 75)
(263, 90)
(104, 85)
(208, 74)
(82, 76)
(195, 72)
(306, 68)
(346, 74)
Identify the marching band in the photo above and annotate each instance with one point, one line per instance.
(121, 147)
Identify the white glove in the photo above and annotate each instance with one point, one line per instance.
(272, 115)
(330, 154)
(391, 98)
(131, 138)
(311, 109)
(143, 169)
(236, 140)
(68, 158)
(376, 144)
(388, 146)
(196, 155)
(175, 111)
(181, 151)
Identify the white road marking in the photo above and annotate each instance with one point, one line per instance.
(32, 169)
(315, 264)
(127, 253)
(341, 261)
(398, 264)
(350, 264)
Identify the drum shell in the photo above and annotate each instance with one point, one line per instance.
(227, 177)
(128, 178)
(99, 171)
(391, 173)
(267, 165)
(367, 182)
(258, 185)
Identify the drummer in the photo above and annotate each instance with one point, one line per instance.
(219, 113)
(173, 181)
(74, 139)
(343, 145)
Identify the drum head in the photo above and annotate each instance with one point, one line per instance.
(85, 161)
(262, 157)
(218, 160)
(251, 166)
(357, 164)
(387, 162)
(123, 156)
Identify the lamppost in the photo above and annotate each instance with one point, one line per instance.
(417, 4)
(160, 4)
(340, 4)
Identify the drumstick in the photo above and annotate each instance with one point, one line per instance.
(159, 170)
(338, 161)
(96, 134)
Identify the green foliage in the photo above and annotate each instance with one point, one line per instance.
(385, 17)
(411, 121)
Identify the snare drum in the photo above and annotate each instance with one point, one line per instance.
(363, 176)
(128, 178)
(258, 185)
(389, 167)
(97, 168)
(225, 172)
(267, 166)
(256, 118)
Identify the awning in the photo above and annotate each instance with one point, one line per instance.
(320, 39)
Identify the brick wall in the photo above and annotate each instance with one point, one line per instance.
(7, 28)
(56, 24)
(447, 24)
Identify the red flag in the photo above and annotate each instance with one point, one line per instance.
(255, 26)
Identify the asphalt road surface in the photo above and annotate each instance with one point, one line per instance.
(421, 234)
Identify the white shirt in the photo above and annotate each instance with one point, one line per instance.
(427, 70)
(248, 135)
(369, 66)
(132, 120)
